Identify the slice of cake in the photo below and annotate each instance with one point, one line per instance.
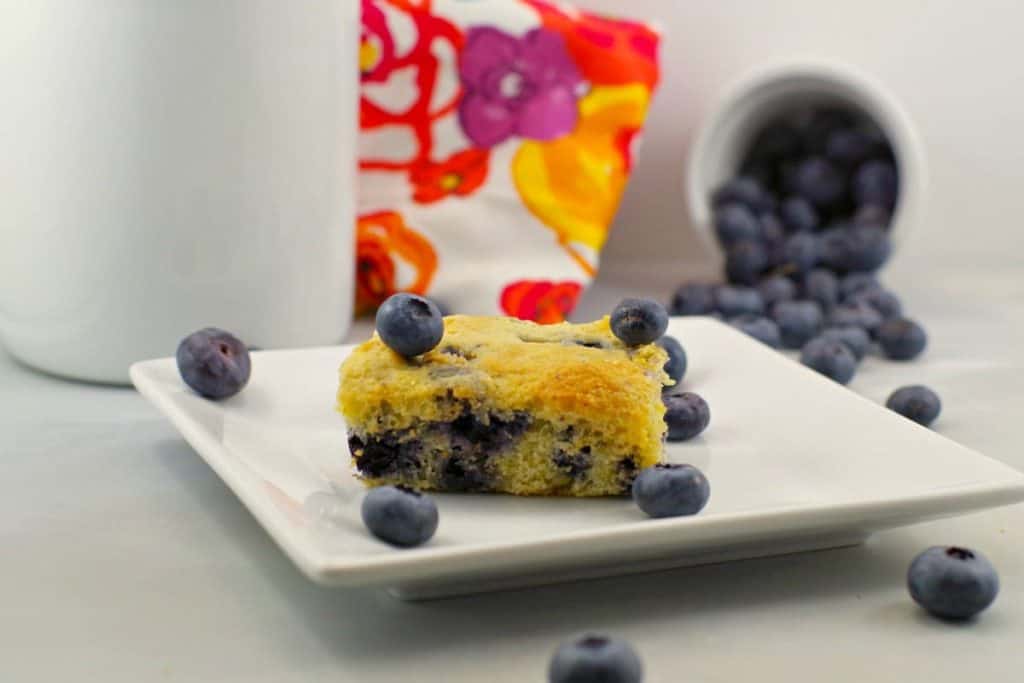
(509, 406)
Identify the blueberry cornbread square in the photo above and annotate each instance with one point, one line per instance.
(505, 405)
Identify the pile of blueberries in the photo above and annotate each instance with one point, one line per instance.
(805, 228)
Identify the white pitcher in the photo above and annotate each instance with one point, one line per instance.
(169, 165)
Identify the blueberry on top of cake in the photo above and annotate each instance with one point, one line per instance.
(505, 405)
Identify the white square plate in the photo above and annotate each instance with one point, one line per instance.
(795, 462)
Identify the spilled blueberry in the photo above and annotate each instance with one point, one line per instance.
(798, 321)
(915, 402)
(854, 338)
(731, 301)
(693, 298)
(830, 358)
(901, 338)
(595, 659)
(759, 327)
(952, 583)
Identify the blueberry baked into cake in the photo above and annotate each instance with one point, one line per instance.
(490, 404)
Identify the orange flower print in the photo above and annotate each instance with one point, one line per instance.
(541, 301)
(383, 238)
(461, 174)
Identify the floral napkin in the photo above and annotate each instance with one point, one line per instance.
(496, 140)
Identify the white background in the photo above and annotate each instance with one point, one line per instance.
(124, 558)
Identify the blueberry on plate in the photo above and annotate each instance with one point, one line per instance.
(639, 321)
(732, 301)
(409, 324)
(854, 283)
(801, 252)
(830, 358)
(693, 298)
(595, 659)
(876, 182)
(798, 321)
(735, 222)
(686, 415)
(744, 262)
(817, 180)
(759, 327)
(399, 515)
(822, 287)
(798, 215)
(214, 363)
(915, 402)
(901, 338)
(882, 300)
(952, 583)
(854, 338)
(856, 313)
(671, 490)
(675, 367)
(741, 190)
(775, 289)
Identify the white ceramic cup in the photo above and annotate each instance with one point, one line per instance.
(169, 165)
(762, 95)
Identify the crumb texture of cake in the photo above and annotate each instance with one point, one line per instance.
(505, 405)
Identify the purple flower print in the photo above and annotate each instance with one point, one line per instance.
(516, 86)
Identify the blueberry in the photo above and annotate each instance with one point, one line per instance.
(822, 123)
(798, 215)
(639, 321)
(952, 583)
(834, 246)
(873, 215)
(855, 283)
(901, 338)
(801, 252)
(867, 248)
(214, 363)
(409, 324)
(693, 298)
(854, 338)
(876, 182)
(733, 301)
(820, 182)
(741, 190)
(745, 261)
(772, 229)
(595, 659)
(399, 515)
(735, 222)
(822, 287)
(882, 300)
(776, 142)
(759, 327)
(856, 313)
(671, 490)
(830, 358)
(848, 146)
(775, 289)
(686, 415)
(798, 321)
(675, 367)
(916, 402)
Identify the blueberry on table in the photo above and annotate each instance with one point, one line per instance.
(686, 415)
(595, 659)
(798, 215)
(741, 190)
(901, 338)
(745, 261)
(821, 286)
(671, 490)
(399, 515)
(915, 402)
(776, 288)
(854, 338)
(759, 327)
(952, 583)
(639, 321)
(798, 321)
(856, 313)
(214, 363)
(830, 358)
(801, 252)
(732, 301)
(882, 300)
(675, 367)
(409, 324)
(819, 181)
(876, 182)
(693, 298)
(736, 222)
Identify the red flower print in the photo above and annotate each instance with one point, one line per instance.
(461, 174)
(540, 300)
(381, 239)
